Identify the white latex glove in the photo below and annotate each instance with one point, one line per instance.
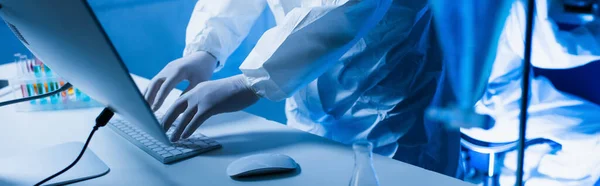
(455, 117)
(207, 99)
(194, 68)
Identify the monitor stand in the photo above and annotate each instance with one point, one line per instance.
(3, 83)
(28, 169)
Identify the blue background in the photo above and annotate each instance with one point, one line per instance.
(150, 33)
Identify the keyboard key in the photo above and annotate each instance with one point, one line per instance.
(200, 143)
(157, 149)
(162, 152)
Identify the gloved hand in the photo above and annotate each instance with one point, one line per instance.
(195, 68)
(455, 117)
(207, 99)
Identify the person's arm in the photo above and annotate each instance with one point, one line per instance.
(308, 41)
(219, 26)
(305, 43)
(215, 30)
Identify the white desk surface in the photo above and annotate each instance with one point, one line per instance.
(322, 162)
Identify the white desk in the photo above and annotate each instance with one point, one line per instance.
(322, 161)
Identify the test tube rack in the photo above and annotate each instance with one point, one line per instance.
(35, 78)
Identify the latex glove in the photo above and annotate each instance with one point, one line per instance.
(205, 100)
(455, 117)
(194, 68)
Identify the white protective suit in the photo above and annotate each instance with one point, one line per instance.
(569, 120)
(350, 69)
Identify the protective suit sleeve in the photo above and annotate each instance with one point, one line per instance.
(306, 43)
(219, 26)
(552, 48)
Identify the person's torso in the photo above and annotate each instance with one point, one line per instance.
(379, 88)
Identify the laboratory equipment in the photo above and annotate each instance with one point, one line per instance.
(572, 13)
(556, 35)
(468, 32)
(261, 164)
(364, 172)
(35, 78)
(163, 152)
(72, 42)
(484, 160)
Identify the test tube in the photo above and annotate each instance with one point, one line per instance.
(30, 66)
(71, 92)
(19, 63)
(41, 65)
(48, 71)
(77, 94)
(63, 93)
(37, 70)
(32, 89)
(52, 87)
(24, 64)
(41, 90)
(23, 59)
(24, 90)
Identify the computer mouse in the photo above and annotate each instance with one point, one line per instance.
(261, 164)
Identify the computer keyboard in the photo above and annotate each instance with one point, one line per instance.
(165, 153)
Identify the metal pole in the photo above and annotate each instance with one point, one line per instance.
(525, 91)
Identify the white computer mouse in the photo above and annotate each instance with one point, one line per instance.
(261, 164)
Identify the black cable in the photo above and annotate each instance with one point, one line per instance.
(61, 89)
(74, 162)
(101, 121)
(525, 92)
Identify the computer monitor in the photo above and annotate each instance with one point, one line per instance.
(68, 37)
